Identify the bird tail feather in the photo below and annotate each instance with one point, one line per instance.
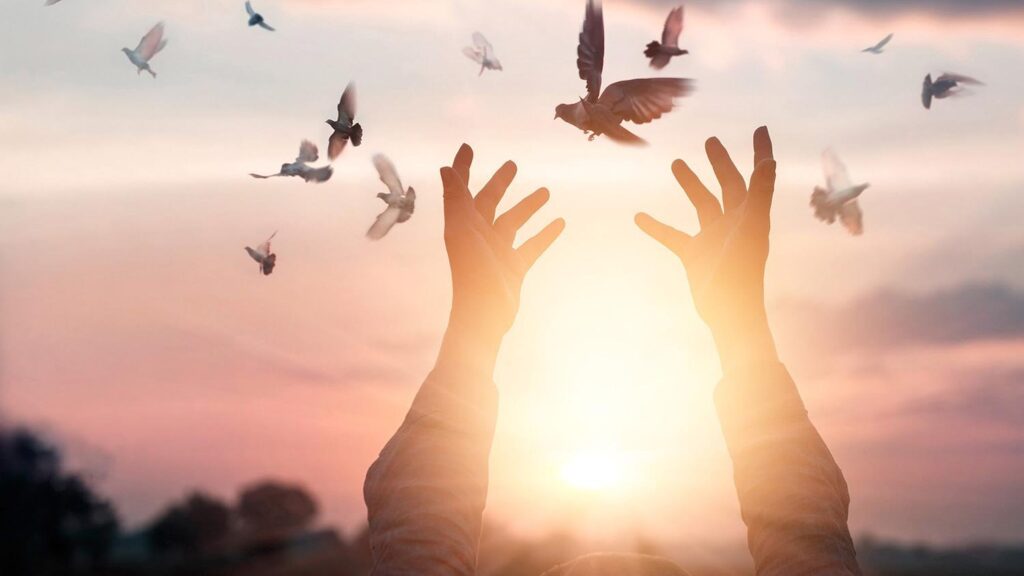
(357, 135)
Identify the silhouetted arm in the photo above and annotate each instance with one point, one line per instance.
(792, 494)
(426, 492)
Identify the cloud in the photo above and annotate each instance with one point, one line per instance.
(950, 8)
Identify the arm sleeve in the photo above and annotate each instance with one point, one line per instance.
(425, 493)
(793, 497)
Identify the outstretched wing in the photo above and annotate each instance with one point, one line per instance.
(959, 78)
(590, 52)
(884, 41)
(152, 43)
(473, 54)
(317, 175)
(248, 8)
(308, 152)
(644, 99)
(835, 171)
(264, 248)
(482, 44)
(673, 28)
(347, 104)
(266, 26)
(852, 218)
(255, 255)
(388, 174)
(385, 221)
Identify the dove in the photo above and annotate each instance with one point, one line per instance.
(638, 101)
(344, 129)
(839, 197)
(877, 48)
(661, 53)
(263, 256)
(255, 18)
(482, 53)
(308, 152)
(944, 86)
(150, 45)
(401, 202)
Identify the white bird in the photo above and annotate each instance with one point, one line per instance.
(482, 53)
(877, 48)
(308, 152)
(662, 52)
(401, 202)
(150, 45)
(263, 256)
(255, 18)
(839, 197)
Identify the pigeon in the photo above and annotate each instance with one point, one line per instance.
(661, 53)
(839, 197)
(638, 101)
(877, 48)
(263, 256)
(344, 129)
(150, 45)
(944, 86)
(401, 203)
(255, 18)
(482, 53)
(307, 153)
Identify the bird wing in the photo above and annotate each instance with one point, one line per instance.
(388, 174)
(385, 220)
(852, 218)
(336, 145)
(473, 54)
(673, 28)
(317, 175)
(248, 8)
(644, 99)
(835, 171)
(884, 41)
(959, 78)
(266, 26)
(308, 152)
(590, 52)
(152, 42)
(926, 92)
(51, 2)
(347, 104)
(264, 248)
(262, 177)
(482, 44)
(255, 255)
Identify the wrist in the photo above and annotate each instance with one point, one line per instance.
(469, 347)
(745, 342)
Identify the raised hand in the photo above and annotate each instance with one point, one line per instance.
(487, 272)
(725, 261)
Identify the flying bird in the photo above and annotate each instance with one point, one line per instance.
(308, 152)
(263, 256)
(482, 53)
(839, 197)
(150, 45)
(877, 48)
(401, 202)
(638, 101)
(945, 86)
(344, 129)
(50, 2)
(661, 53)
(255, 18)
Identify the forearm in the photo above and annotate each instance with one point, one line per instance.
(793, 496)
(426, 492)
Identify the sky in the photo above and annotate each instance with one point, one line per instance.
(136, 332)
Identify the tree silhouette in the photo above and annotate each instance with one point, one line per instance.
(196, 526)
(273, 510)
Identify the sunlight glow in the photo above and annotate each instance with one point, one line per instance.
(594, 470)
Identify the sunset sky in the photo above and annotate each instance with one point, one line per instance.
(136, 332)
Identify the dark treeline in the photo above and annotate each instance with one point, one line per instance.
(53, 522)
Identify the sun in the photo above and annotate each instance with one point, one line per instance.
(594, 470)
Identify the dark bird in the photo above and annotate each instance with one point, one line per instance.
(638, 101)
(661, 53)
(344, 129)
(878, 48)
(308, 152)
(263, 256)
(945, 86)
(255, 18)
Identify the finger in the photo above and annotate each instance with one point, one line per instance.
(708, 208)
(456, 196)
(734, 189)
(510, 222)
(463, 161)
(673, 239)
(491, 194)
(762, 145)
(533, 248)
(762, 187)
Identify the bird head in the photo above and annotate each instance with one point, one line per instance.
(497, 65)
(562, 111)
(332, 124)
(382, 196)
